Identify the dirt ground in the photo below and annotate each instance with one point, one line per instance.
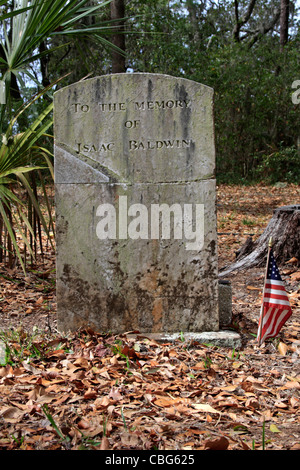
(253, 393)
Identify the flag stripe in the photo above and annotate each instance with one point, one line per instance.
(278, 299)
(270, 327)
(274, 282)
(276, 291)
(275, 286)
(274, 321)
(276, 308)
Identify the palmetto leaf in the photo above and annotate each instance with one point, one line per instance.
(16, 155)
(34, 21)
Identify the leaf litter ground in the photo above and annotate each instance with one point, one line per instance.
(113, 392)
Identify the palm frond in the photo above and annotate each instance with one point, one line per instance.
(36, 21)
(18, 154)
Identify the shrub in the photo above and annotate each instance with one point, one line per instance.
(283, 165)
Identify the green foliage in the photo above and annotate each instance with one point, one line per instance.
(34, 21)
(119, 350)
(253, 109)
(283, 165)
(65, 440)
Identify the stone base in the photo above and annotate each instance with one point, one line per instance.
(223, 338)
(225, 303)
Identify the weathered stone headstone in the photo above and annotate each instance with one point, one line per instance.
(135, 205)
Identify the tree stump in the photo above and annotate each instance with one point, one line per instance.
(284, 228)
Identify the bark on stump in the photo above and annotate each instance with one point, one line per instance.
(284, 228)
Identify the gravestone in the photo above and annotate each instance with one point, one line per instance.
(135, 205)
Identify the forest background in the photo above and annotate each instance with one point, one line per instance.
(246, 50)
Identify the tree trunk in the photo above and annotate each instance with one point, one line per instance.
(117, 12)
(192, 10)
(284, 229)
(284, 23)
(239, 22)
(44, 64)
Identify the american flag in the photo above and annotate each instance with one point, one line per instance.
(276, 309)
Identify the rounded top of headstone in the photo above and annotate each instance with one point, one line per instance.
(135, 76)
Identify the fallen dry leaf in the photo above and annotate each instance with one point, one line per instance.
(205, 408)
(274, 428)
(282, 349)
(293, 260)
(104, 444)
(295, 276)
(221, 443)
